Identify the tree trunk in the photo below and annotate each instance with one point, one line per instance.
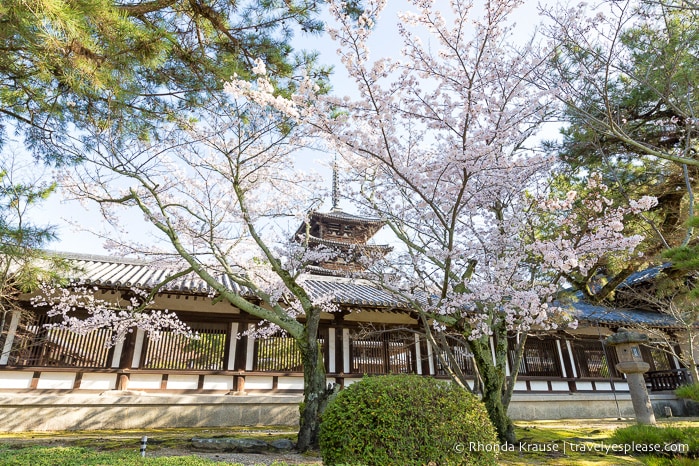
(497, 412)
(493, 380)
(693, 368)
(692, 360)
(315, 393)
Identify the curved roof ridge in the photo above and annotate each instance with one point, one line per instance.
(101, 258)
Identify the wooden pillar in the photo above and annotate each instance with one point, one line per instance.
(11, 332)
(232, 339)
(125, 356)
(239, 384)
(250, 350)
(564, 372)
(418, 355)
(331, 350)
(346, 351)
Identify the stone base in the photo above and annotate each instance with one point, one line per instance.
(128, 410)
(115, 410)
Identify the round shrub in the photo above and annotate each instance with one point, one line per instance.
(406, 420)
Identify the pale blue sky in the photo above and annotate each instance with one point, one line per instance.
(385, 41)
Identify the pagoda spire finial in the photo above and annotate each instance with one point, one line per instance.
(336, 186)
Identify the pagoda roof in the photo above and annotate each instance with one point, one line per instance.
(336, 215)
(341, 215)
(343, 244)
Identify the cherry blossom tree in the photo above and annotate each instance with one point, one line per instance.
(217, 192)
(121, 315)
(438, 143)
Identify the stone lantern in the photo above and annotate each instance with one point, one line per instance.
(631, 364)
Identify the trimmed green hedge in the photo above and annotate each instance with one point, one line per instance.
(406, 420)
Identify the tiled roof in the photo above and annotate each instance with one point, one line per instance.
(611, 316)
(343, 244)
(115, 272)
(340, 215)
(645, 275)
(349, 291)
(630, 317)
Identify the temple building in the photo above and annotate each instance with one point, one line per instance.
(228, 378)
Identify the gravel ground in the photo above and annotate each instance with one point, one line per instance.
(248, 459)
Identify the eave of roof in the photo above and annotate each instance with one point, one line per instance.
(113, 272)
(630, 317)
(341, 215)
(342, 244)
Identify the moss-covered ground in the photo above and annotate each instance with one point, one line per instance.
(565, 442)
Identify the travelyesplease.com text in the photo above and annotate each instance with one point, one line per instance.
(565, 447)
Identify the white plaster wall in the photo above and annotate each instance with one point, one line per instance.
(182, 382)
(218, 382)
(621, 386)
(255, 382)
(539, 385)
(145, 381)
(56, 381)
(290, 383)
(98, 381)
(604, 386)
(561, 386)
(9, 379)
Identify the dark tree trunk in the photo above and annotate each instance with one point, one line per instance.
(493, 380)
(315, 392)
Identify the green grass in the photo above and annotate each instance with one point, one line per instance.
(80, 456)
(690, 392)
(581, 442)
(568, 442)
(109, 447)
(668, 438)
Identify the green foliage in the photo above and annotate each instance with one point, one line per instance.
(407, 420)
(685, 262)
(689, 392)
(129, 66)
(649, 94)
(20, 240)
(665, 440)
